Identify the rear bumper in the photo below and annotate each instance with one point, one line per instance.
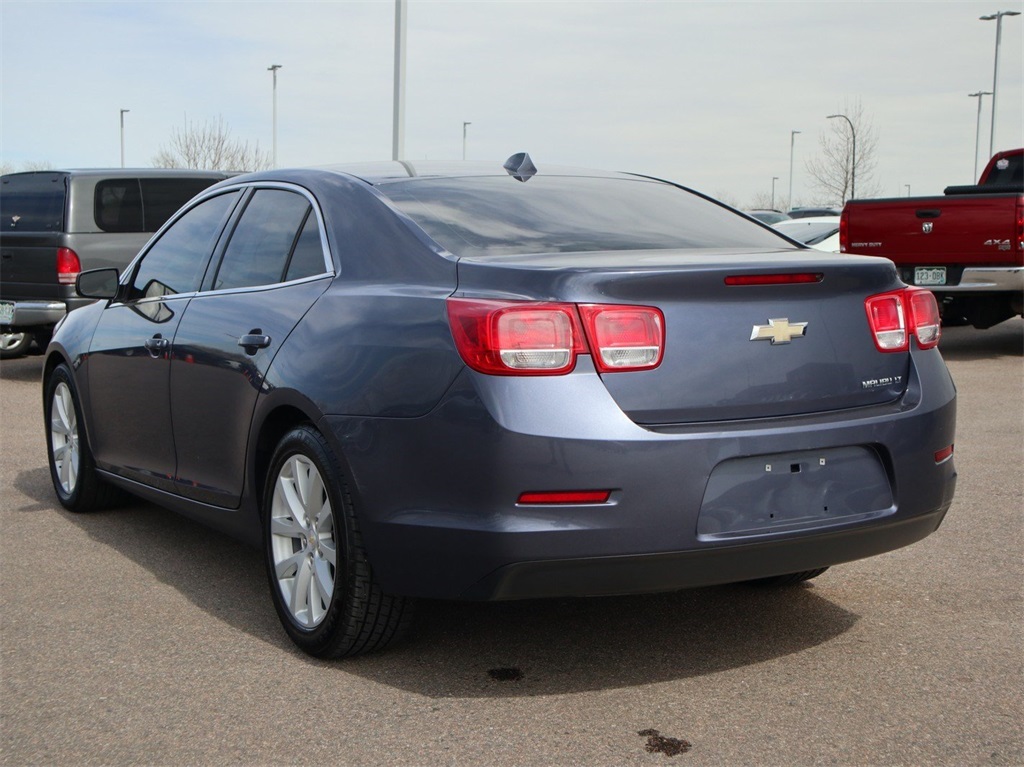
(28, 314)
(649, 573)
(986, 279)
(437, 495)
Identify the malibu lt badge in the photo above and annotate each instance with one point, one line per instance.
(778, 331)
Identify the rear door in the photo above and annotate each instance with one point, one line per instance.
(274, 266)
(129, 360)
(32, 212)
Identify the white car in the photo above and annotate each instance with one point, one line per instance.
(821, 232)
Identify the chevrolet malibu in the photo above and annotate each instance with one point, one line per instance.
(498, 382)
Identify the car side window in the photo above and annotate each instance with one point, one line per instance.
(176, 261)
(264, 239)
(308, 256)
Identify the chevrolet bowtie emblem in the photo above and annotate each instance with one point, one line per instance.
(778, 331)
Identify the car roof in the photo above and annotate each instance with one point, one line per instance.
(403, 170)
(128, 172)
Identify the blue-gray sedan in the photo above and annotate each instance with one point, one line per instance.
(499, 382)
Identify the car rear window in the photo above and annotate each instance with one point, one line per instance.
(496, 216)
(32, 202)
(142, 204)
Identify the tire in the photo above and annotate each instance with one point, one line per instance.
(321, 583)
(78, 486)
(14, 345)
(790, 579)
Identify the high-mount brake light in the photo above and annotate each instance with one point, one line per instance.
(624, 338)
(551, 497)
(516, 337)
(802, 278)
(68, 266)
(895, 316)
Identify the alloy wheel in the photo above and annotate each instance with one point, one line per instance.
(64, 440)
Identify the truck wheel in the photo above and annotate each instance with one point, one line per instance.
(72, 470)
(790, 579)
(14, 345)
(320, 580)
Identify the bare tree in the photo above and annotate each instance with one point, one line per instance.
(9, 167)
(832, 168)
(210, 147)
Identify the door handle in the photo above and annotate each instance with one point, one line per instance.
(254, 340)
(157, 345)
(929, 213)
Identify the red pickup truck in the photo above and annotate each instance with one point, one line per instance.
(967, 246)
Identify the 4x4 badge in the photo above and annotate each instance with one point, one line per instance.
(778, 331)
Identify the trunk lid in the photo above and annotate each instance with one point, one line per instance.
(712, 370)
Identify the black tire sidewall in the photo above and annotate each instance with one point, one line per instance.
(309, 443)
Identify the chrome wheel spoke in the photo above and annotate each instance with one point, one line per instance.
(64, 447)
(302, 540)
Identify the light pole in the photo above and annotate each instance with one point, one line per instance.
(853, 163)
(464, 124)
(774, 179)
(977, 130)
(998, 16)
(792, 138)
(398, 126)
(122, 135)
(273, 69)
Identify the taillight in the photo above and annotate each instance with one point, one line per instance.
(516, 338)
(68, 266)
(924, 317)
(534, 338)
(624, 337)
(844, 231)
(1020, 225)
(895, 316)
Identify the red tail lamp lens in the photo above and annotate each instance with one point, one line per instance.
(68, 266)
(925, 319)
(564, 497)
(516, 338)
(941, 456)
(624, 337)
(888, 321)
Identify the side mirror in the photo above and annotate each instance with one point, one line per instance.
(98, 283)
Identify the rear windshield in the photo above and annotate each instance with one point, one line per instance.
(809, 233)
(32, 202)
(1008, 171)
(497, 216)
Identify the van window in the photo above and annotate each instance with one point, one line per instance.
(32, 202)
(142, 204)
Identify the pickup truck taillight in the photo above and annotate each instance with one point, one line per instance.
(895, 316)
(1020, 224)
(68, 266)
(844, 231)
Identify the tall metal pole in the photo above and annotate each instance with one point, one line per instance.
(998, 16)
(853, 163)
(774, 179)
(398, 133)
(792, 138)
(273, 69)
(977, 129)
(464, 139)
(122, 135)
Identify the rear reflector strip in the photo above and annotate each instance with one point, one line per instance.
(941, 456)
(565, 496)
(801, 278)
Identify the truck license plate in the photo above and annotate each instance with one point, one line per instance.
(6, 312)
(930, 275)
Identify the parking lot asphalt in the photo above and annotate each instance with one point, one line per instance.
(135, 636)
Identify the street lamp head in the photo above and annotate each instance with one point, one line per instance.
(996, 16)
(274, 67)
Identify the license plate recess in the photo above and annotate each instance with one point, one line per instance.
(787, 492)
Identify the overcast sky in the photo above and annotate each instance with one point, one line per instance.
(703, 93)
